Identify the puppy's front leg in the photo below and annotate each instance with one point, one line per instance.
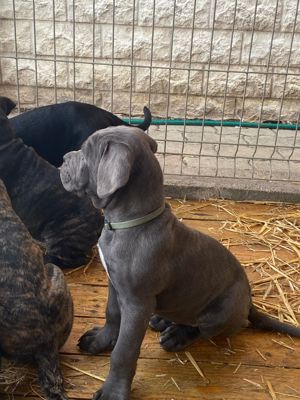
(50, 376)
(134, 322)
(100, 339)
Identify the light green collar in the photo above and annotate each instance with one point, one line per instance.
(111, 226)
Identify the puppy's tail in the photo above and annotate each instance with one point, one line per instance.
(147, 119)
(262, 321)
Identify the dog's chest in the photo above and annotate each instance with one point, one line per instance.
(103, 261)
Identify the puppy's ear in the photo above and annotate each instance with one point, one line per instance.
(6, 105)
(114, 168)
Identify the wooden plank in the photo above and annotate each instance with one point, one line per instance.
(249, 347)
(89, 300)
(242, 246)
(161, 379)
(224, 210)
(94, 274)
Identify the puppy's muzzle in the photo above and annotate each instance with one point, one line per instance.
(65, 174)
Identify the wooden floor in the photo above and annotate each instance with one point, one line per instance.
(252, 365)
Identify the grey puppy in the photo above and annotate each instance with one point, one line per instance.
(36, 307)
(68, 226)
(196, 287)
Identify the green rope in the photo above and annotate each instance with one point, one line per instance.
(210, 122)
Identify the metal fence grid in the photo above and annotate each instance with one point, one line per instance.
(189, 148)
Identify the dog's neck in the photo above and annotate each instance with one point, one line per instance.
(142, 195)
(126, 206)
(9, 169)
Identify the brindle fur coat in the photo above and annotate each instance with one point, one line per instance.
(68, 225)
(35, 304)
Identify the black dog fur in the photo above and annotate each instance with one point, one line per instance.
(56, 129)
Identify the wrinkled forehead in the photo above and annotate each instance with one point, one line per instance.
(119, 130)
(71, 155)
(119, 134)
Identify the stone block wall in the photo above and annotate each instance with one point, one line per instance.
(194, 59)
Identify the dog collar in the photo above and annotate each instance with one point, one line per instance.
(111, 226)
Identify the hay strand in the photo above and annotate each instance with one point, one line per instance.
(258, 385)
(195, 365)
(99, 378)
(271, 390)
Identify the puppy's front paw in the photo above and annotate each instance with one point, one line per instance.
(177, 337)
(111, 393)
(98, 339)
(159, 324)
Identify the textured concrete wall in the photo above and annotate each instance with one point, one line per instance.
(254, 71)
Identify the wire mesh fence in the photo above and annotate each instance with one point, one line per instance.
(216, 67)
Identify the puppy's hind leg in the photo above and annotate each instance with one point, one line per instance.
(50, 376)
(177, 337)
(225, 315)
(215, 319)
(158, 323)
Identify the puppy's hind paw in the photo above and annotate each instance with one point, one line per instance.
(97, 340)
(159, 324)
(177, 337)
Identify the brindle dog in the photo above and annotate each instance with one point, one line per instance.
(36, 307)
(67, 225)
